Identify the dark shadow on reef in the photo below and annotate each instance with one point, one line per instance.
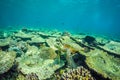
(80, 60)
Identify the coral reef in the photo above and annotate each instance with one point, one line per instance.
(36, 40)
(31, 62)
(6, 61)
(31, 76)
(102, 40)
(73, 47)
(19, 47)
(23, 35)
(65, 34)
(79, 73)
(52, 43)
(40, 53)
(48, 53)
(90, 40)
(112, 46)
(4, 42)
(69, 59)
(104, 64)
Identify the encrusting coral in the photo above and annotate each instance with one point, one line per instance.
(104, 64)
(34, 62)
(23, 36)
(4, 42)
(6, 61)
(112, 46)
(48, 53)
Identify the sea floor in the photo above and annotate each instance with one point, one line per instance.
(39, 54)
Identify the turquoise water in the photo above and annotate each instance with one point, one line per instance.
(59, 39)
(88, 16)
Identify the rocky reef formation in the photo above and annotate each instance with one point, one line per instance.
(40, 54)
(112, 46)
(32, 76)
(6, 61)
(106, 65)
(41, 63)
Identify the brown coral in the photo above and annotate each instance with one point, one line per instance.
(79, 73)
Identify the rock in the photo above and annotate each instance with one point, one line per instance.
(66, 39)
(112, 46)
(65, 34)
(20, 48)
(6, 61)
(70, 44)
(104, 64)
(4, 42)
(73, 47)
(32, 76)
(32, 50)
(52, 43)
(4, 34)
(24, 29)
(23, 36)
(43, 35)
(37, 40)
(102, 41)
(90, 40)
(34, 64)
(48, 53)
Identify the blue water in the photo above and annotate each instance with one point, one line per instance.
(89, 16)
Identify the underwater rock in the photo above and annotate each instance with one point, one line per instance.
(24, 29)
(69, 59)
(65, 34)
(54, 33)
(90, 40)
(20, 48)
(23, 46)
(23, 35)
(4, 42)
(6, 61)
(51, 42)
(32, 50)
(4, 35)
(102, 41)
(32, 76)
(20, 77)
(73, 47)
(11, 74)
(43, 35)
(80, 43)
(48, 53)
(104, 64)
(112, 46)
(31, 62)
(66, 39)
(80, 73)
(42, 69)
(37, 40)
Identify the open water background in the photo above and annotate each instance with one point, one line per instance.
(87, 16)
